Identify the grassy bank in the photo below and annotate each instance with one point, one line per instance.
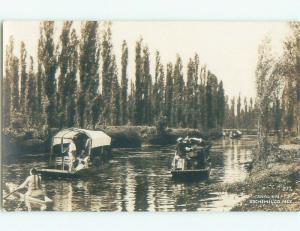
(17, 141)
(271, 187)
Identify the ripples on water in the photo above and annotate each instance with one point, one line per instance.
(140, 180)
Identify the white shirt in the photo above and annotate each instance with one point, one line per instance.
(32, 182)
(72, 148)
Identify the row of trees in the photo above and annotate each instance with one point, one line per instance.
(76, 82)
(277, 105)
(240, 113)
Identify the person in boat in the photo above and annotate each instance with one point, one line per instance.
(180, 147)
(71, 154)
(83, 161)
(181, 158)
(188, 144)
(33, 184)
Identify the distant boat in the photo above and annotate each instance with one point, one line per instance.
(93, 153)
(193, 164)
(236, 134)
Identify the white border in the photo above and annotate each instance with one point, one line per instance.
(150, 10)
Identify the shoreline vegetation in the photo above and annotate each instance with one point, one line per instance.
(275, 187)
(34, 141)
(270, 186)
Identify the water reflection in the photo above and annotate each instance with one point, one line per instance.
(139, 180)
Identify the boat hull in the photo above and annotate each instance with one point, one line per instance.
(191, 174)
(35, 203)
(56, 173)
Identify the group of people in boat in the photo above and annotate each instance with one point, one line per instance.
(77, 162)
(189, 153)
(80, 155)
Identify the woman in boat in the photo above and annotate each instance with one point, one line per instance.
(33, 184)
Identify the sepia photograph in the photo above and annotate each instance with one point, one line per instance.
(151, 116)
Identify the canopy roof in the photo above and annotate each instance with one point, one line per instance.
(98, 138)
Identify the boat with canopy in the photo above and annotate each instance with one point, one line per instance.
(92, 153)
(190, 161)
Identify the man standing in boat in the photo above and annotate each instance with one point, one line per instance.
(33, 184)
(180, 160)
(71, 154)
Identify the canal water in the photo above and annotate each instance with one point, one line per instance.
(140, 180)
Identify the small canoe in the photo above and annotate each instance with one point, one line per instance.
(38, 203)
(191, 174)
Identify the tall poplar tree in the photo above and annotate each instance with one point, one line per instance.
(15, 85)
(49, 65)
(63, 63)
(107, 74)
(238, 112)
(220, 105)
(138, 111)
(7, 83)
(70, 86)
(89, 71)
(189, 102)
(31, 95)
(115, 95)
(210, 101)
(158, 88)
(179, 92)
(169, 94)
(202, 96)
(40, 80)
(146, 88)
(124, 84)
(23, 77)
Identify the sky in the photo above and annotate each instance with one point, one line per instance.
(228, 49)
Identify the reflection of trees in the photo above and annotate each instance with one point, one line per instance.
(152, 192)
(141, 187)
(129, 188)
(141, 191)
(103, 192)
(144, 189)
(188, 196)
(63, 196)
(235, 155)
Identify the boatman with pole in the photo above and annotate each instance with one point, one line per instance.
(71, 154)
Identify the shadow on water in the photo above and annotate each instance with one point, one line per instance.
(140, 180)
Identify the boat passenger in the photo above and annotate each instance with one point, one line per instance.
(71, 154)
(180, 149)
(82, 163)
(33, 184)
